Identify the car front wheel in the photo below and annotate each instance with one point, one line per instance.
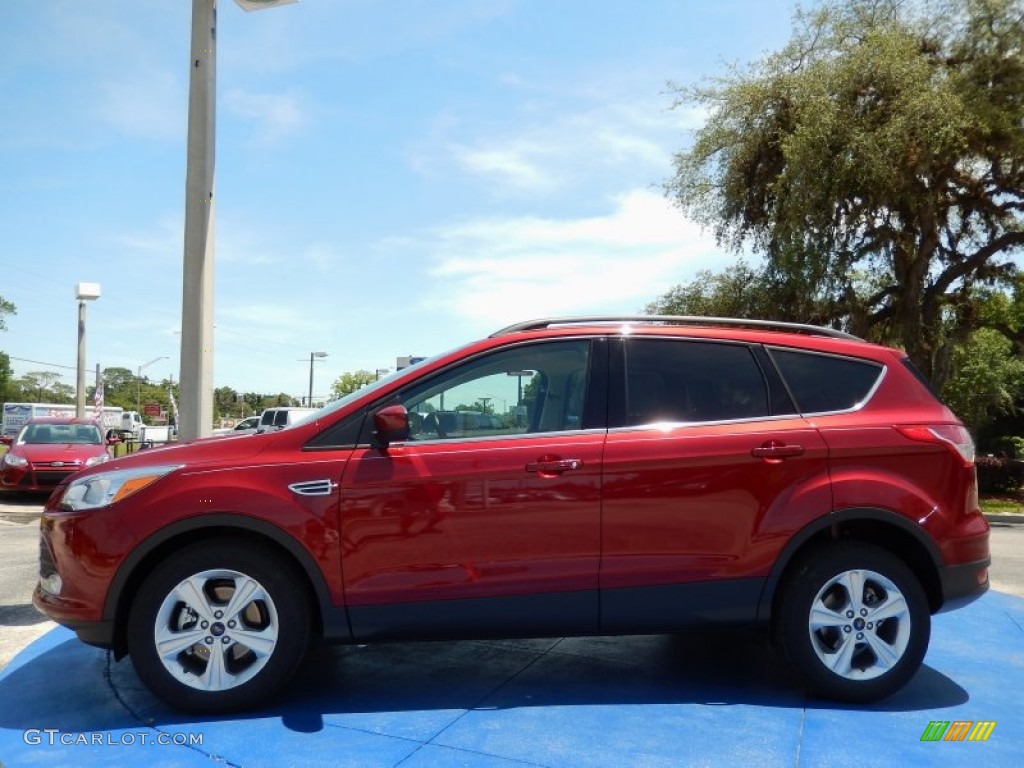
(853, 621)
(219, 626)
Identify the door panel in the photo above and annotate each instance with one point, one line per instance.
(460, 520)
(692, 503)
(481, 505)
(703, 482)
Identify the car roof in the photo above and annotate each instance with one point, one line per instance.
(673, 320)
(771, 333)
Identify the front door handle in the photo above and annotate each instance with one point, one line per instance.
(546, 466)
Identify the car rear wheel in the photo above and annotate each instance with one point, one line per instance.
(219, 626)
(853, 621)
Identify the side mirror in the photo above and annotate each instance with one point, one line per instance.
(113, 440)
(6, 440)
(391, 424)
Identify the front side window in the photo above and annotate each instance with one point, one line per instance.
(526, 389)
(670, 380)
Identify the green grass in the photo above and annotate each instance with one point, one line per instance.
(1002, 505)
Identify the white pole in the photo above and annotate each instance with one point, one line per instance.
(80, 383)
(198, 272)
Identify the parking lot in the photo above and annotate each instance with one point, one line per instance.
(694, 699)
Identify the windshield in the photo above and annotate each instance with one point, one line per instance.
(51, 434)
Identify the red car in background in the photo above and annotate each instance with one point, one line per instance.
(46, 451)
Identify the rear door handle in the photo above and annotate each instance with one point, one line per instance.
(553, 466)
(775, 450)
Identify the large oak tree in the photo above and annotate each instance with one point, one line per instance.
(877, 162)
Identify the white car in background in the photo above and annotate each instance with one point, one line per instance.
(274, 419)
(244, 427)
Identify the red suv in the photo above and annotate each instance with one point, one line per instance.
(576, 476)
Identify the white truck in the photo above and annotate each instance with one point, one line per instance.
(125, 423)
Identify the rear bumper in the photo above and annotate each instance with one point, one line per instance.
(963, 583)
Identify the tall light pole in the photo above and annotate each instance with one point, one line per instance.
(312, 356)
(138, 381)
(83, 292)
(198, 261)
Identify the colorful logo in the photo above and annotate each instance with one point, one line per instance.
(958, 730)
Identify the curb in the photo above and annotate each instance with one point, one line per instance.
(1006, 519)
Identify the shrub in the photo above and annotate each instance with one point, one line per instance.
(999, 475)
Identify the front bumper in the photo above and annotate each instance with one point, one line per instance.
(97, 633)
(31, 478)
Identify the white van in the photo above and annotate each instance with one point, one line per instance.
(274, 419)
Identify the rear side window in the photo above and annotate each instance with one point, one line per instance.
(824, 383)
(692, 381)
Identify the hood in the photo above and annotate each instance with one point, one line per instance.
(207, 450)
(50, 452)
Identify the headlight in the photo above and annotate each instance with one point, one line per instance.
(15, 461)
(97, 460)
(106, 488)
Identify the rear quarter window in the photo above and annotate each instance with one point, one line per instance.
(823, 383)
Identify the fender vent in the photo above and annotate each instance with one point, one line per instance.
(313, 488)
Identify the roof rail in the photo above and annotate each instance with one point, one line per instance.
(736, 322)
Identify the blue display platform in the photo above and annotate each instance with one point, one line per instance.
(698, 699)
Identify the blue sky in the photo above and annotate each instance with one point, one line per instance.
(393, 178)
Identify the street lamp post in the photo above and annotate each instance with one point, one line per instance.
(312, 356)
(198, 258)
(83, 292)
(138, 381)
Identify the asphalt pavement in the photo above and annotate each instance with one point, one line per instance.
(20, 622)
(703, 698)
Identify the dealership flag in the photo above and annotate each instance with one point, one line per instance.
(97, 401)
(174, 405)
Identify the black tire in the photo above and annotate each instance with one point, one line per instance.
(236, 661)
(857, 649)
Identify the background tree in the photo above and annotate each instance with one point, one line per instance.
(7, 390)
(6, 308)
(350, 382)
(62, 393)
(120, 388)
(739, 291)
(986, 388)
(281, 400)
(877, 161)
(36, 386)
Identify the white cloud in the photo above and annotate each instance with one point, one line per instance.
(556, 148)
(163, 240)
(515, 165)
(322, 256)
(494, 271)
(149, 105)
(277, 322)
(275, 115)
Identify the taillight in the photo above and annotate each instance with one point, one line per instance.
(953, 436)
